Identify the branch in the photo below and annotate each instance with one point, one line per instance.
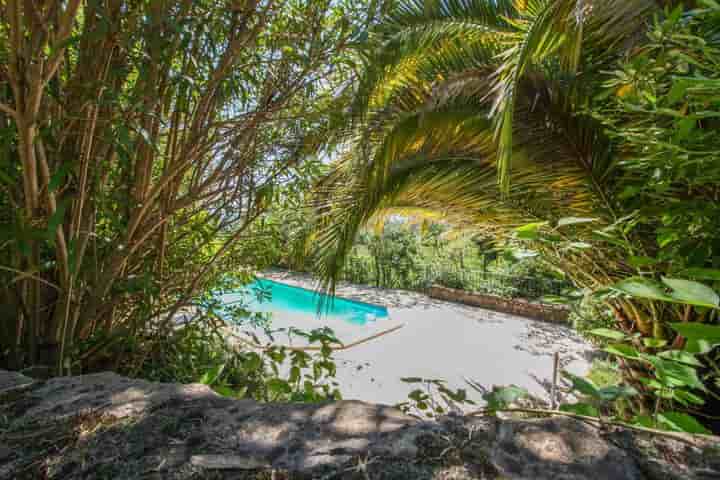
(8, 110)
(690, 439)
(341, 346)
(66, 21)
(22, 275)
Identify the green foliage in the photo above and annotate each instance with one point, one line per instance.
(433, 398)
(503, 397)
(603, 130)
(674, 290)
(604, 373)
(395, 253)
(673, 376)
(159, 135)
(700, 338)
(200, 353)
(411, 256)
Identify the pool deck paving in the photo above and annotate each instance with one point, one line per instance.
(438, 340)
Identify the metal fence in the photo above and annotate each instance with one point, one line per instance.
(420, 277)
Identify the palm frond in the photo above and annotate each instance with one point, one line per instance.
(558, 31)
(457, 94)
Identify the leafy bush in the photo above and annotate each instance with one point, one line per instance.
(203, 352)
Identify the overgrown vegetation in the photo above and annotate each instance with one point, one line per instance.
(155, 153)
(400, 253)
(140, 142)
(585, 131)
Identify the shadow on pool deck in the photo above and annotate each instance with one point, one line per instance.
(540, 339)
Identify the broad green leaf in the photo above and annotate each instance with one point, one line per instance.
(582, 385)
(608, 333)
(684, 128)
(653, 384)
(702, 273)
(278, 386)
(501, 397)
(644, 421)
(711, 4)
(681, 356)
(211, 375)
(580, 409)
(608, 394)
(294, 374)
(681, 422)
(642, 288)
(674, 374)
(694, 293)
(701, 338)
(564, 222)
(556, 299)
(224, 391)
(417, 395)
(622, 350)
(685, 397)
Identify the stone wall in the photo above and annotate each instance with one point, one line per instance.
(514, 306)
(107, 426)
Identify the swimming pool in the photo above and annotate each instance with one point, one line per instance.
(265, 295)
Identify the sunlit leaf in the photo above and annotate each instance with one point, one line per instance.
(564, 222)
(622, 350)
(681, 422)
(642, 288)
(694, 293)
(582, 385)
(608, 333)
(674, 374)
(681, 356)
(580, 409)
(502, 397)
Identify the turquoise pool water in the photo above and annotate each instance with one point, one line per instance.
(279, 298)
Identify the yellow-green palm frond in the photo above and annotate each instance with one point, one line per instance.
(558, 32)
(457, 94)
(444, 160)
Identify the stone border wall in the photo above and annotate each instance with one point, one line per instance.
(514, 306)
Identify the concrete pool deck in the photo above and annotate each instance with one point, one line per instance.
(438, 340)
